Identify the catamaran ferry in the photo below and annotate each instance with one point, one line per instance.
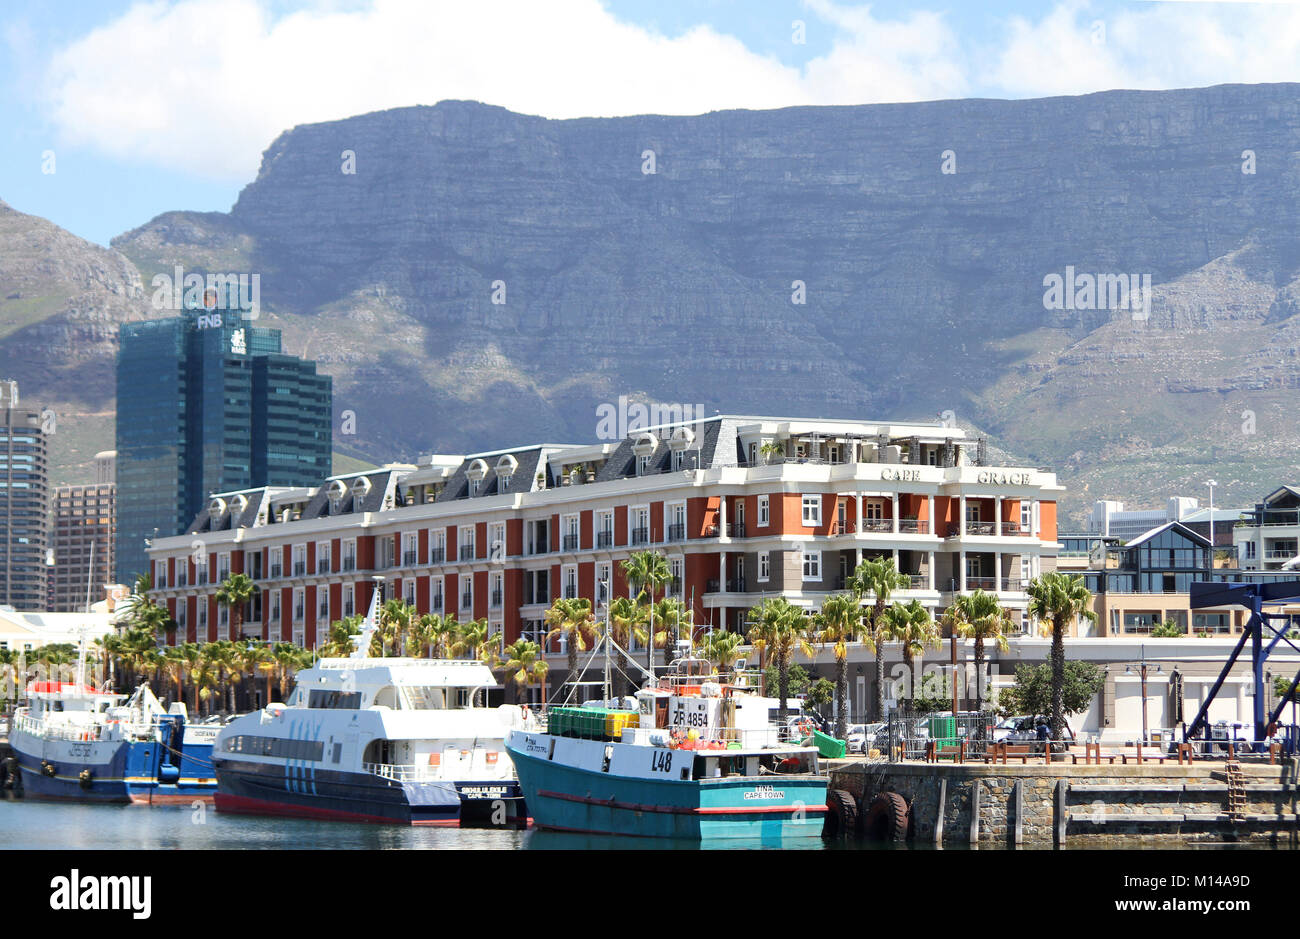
(75, 743)
(699, 758)
(396, 740)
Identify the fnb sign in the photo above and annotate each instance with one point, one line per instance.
(208, 320)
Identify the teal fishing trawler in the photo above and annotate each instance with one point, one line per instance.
(699, 758)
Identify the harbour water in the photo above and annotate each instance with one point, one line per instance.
(31, 825)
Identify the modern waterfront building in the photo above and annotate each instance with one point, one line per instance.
(24, 503)
(209, 403)
(1267, 537)
(25, 631)
(83, 536)
(501, 534)
(1111, 519)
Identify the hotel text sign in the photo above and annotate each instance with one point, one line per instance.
(1003, 479)
(901, 475)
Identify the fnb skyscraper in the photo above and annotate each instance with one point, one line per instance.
(207, 402)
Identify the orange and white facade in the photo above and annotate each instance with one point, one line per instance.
(742, 508)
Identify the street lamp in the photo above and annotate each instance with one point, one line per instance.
(1212, 484)
(1142, 670)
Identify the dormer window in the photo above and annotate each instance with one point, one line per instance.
(359, 490)
(476, 473)
(336, 494)
(216, 508)
(644, 448)
(506, 467)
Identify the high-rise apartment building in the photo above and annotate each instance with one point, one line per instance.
(83, 535)
(24, 503)
(207, 403)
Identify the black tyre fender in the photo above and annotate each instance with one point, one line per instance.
(84, 778)
(841, 814)
(887, 818)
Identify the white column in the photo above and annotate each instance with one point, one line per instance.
(961, 561)
(895, 515)
(722, 517)
(961, 520)
(722, 571)
(997, 570)
(930, 568)
(895, 559)
(997, 515)
(857, 528)
(934, 528)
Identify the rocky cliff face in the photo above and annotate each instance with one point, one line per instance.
(485, 278)
(62, 300)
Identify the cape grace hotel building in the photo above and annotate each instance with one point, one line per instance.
(500, 535)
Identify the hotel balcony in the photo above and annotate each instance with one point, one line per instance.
(408, 558)
(299, 568)
(467, 552)
(322, 566)
(604, 539)
(734, 530)
(640, 536)
(570, 542)
(676, 532)
(437, 555)
(496, 599)
(276, 572)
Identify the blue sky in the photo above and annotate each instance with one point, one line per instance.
(168, 104)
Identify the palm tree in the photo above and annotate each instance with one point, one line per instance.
(673, 614)
(839, 621)
(471, 639)
(440, 631)
(173, 666)
(395, 619)
(191, 655)
(625, 618)
(912, 625)
(234, 594)
(284, 659)
(10, 662)
(1059, 599)
(206, 676)
(978, 615)
(339, 644)
(879, 578)
(722, 648)
(571, 618)
(770, 449)
(523, 665)
(787, 631)
(647, 570)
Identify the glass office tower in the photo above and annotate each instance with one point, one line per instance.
(209, 403)
(24, 503)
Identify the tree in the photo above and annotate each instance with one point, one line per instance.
(234, 593)
(879, 578)
(647, 571)
(838, 624)
(821, 694)
(339, 645)
(571, 618)
(787, 632)
(799, 679)
(434, 634)
(722, 648)
(1034, 692)
(625, 618)
(191, 657)
(978, 615)
(1167, 630)
(523, 665)
(770, 449)
(672, 614)
(1059, 599)
(911, 624)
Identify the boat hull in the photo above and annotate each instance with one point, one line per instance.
(769, 810)
(258, 789)
(118, 771)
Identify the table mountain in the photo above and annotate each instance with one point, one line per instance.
(665, 258)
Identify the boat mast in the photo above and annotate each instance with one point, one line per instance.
(608, 689)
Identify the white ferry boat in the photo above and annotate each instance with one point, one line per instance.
(394, 740)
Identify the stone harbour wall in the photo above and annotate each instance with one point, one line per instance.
(1079, 805)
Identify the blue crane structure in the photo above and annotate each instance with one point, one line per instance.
(1254, 596)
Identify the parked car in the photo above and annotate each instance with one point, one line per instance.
(1026, 731)
(862, 738)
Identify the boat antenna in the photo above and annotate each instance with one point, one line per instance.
(369, 626)
(607, 689)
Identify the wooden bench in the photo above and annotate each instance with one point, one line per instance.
(1000, 752)
(1092, 754)
(934, 753)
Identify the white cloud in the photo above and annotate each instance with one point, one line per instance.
(204, 85)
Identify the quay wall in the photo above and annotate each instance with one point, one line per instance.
(1081, 805)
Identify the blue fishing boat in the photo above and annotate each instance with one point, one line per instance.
(698, 758)
(74, 743)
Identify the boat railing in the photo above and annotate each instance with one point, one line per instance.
(410, 772)
(60, 730)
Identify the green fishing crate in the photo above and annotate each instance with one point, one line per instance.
(828, 746)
